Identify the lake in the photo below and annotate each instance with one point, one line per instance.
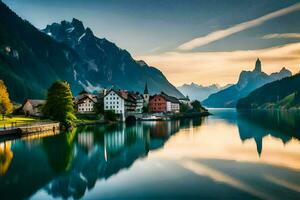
(229, 155)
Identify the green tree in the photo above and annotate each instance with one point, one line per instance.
(6, 107)
(99, 107)
(184, 108)
(197, 106)
(110, 115)
(59, 105)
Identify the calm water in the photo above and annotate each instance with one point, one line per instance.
(227, 155)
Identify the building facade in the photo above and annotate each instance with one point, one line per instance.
(33, 107)
(85, 105)
(146, 96)
(85, 102)
(114, 101)
(157, 104)
(164, 103)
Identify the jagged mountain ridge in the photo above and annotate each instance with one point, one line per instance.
(108, 65)
(280, 94)
(199, 92)
(30, 61)
(27, 56)
(248, 82)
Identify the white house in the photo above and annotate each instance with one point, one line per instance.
(33, 107)
(120, 102)
(114, 101)
(85, 102)
(85, 105)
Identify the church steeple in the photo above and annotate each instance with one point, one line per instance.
(257, 66)
(146, 89)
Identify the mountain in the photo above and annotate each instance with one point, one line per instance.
(199, 92)
(248, 81)
(108, 64)
(281, 94)
(30, 61)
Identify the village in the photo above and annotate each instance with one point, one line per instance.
(125, 105)
(62, 110)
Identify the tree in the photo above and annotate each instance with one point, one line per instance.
(6, 107)
(99, 107)
(184, 108)
(197, 106)
(110, 115)
(59, 105)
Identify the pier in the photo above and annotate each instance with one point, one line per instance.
(28, 129)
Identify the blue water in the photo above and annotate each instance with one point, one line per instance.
(228, 155)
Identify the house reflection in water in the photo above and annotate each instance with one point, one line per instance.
(114, 148)
(68, 165)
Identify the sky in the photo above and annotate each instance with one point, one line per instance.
(200, 41)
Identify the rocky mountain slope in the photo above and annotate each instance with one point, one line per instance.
(248, 81)
(30, 61)
(281, 94)
(108, 64)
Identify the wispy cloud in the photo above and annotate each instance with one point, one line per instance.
(217, 35)
(223, 67)
(155, 49)
(281, 35)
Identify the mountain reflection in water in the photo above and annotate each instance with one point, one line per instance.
(79, 163)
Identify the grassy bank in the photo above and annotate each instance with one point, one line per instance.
(18, 120)
(88, 119)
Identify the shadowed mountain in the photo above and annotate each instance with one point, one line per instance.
(282, 94)
(107, 63)
(248, 82)
(30, 60)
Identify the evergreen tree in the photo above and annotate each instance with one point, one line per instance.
(6, 106)
(59, 105)
(197, 105)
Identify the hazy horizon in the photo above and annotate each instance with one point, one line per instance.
(204, 42)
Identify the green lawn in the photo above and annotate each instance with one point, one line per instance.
(20, 120)
(87, 118)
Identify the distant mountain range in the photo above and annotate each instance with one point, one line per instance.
(248, 81)
(281, 94)
(199, 92)
(31, 60)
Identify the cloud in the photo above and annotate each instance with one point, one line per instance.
(220, 34)
(281, 35)
(223, 67)
(154, 50)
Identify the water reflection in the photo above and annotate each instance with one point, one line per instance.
(260, 124)
(73, 164)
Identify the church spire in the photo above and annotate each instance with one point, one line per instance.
(146, 89)
(257, 66)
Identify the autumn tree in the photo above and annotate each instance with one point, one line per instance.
(6, 107)
(59, 105)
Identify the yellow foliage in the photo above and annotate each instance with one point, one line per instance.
(6, 107)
